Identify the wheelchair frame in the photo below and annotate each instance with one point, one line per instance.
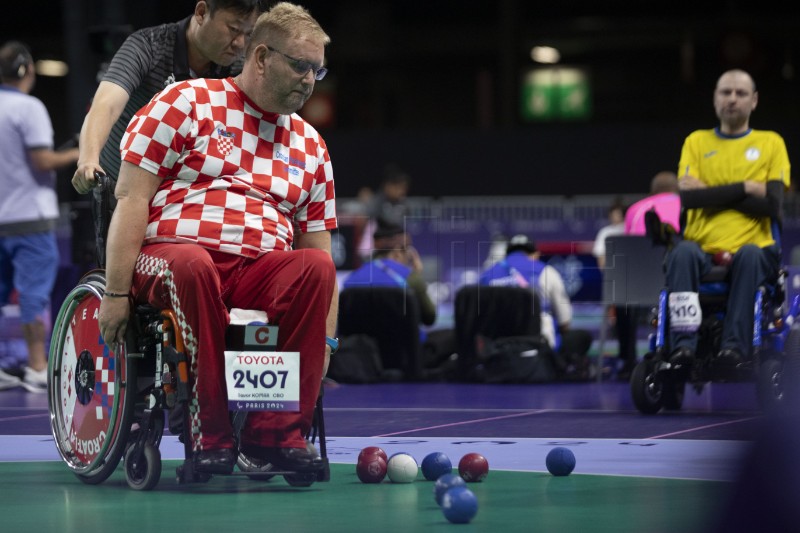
(656, 384)
(107, 404)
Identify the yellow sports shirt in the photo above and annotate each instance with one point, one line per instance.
(719, 160)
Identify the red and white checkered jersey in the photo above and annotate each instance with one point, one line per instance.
(235, 178)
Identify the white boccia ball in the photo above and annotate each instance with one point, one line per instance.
(402, 468)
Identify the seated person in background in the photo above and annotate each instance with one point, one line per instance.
(211, 215)
(395, 263)
(732, 187)
(664, 199)
(666, 202)
(522, 268)
(388, 207)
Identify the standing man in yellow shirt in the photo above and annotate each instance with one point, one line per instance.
(732, 182)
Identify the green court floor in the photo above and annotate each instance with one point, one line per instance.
(45, 496)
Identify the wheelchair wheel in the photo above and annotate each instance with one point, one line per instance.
(672, 393)
(300, 480)
(90, 404)
(770, 388)
(144, 473)
(647, 387)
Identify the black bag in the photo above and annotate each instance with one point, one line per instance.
(358, 360)
(523, 359)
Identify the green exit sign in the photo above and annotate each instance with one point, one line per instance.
(556, 93)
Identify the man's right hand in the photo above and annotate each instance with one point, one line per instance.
(113, 319)
(84, 180)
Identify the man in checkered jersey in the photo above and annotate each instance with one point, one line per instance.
(226, 199)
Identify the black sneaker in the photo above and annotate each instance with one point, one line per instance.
(215, 461)
(681, 356)
(729, 357)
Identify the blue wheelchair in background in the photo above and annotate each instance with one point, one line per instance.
(656, 384)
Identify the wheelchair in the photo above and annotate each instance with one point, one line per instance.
(656, 384)
(109, 403)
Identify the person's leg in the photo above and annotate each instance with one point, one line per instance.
(575, 344)
(626, 325)
(295, 289)
(7, 381)
(752, 267)
(186, 278)
(686, 264)
(35, 268)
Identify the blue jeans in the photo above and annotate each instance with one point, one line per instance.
(29, 264)
(751, 267)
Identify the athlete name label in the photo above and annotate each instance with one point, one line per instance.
(263, 381)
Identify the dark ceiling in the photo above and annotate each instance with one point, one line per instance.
(460, 63)
(449, 65)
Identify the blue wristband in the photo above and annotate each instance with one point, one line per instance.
(333, 343)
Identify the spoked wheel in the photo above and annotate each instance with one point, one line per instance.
(647, 387)
(90, 403)
(143, 473)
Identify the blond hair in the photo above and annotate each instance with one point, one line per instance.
(288, 21)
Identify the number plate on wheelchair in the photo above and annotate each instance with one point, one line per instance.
(684, 311)
(263, 381)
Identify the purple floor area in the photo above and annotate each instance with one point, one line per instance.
(561, 410)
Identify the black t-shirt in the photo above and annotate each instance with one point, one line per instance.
(149, 60)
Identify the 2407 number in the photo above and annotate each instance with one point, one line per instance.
(266, 379)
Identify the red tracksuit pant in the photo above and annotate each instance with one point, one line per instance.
(200, 285)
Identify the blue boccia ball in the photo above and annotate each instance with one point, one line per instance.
(435, 465)
(459, 505)
(560, 461)
(257, 323)
(446, 482)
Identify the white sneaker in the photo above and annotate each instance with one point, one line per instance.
(35, 380)
(7, 381)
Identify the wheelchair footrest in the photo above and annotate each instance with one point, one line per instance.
(186, 474)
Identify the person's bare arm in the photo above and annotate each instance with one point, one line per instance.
(322, 241)
(107, 106)
(48, 159)
(134, 191)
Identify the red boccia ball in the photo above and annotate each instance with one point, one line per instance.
(372, 450)
(371, 469)
(473, 467)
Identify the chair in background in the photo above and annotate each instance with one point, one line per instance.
(491, 313)
(391, 316)
(633, 276)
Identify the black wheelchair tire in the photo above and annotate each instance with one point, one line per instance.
(300, 480)
(672, 394)
(144, 474)
(647, 388)
(770, 388)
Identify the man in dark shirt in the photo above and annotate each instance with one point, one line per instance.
(209, 43)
